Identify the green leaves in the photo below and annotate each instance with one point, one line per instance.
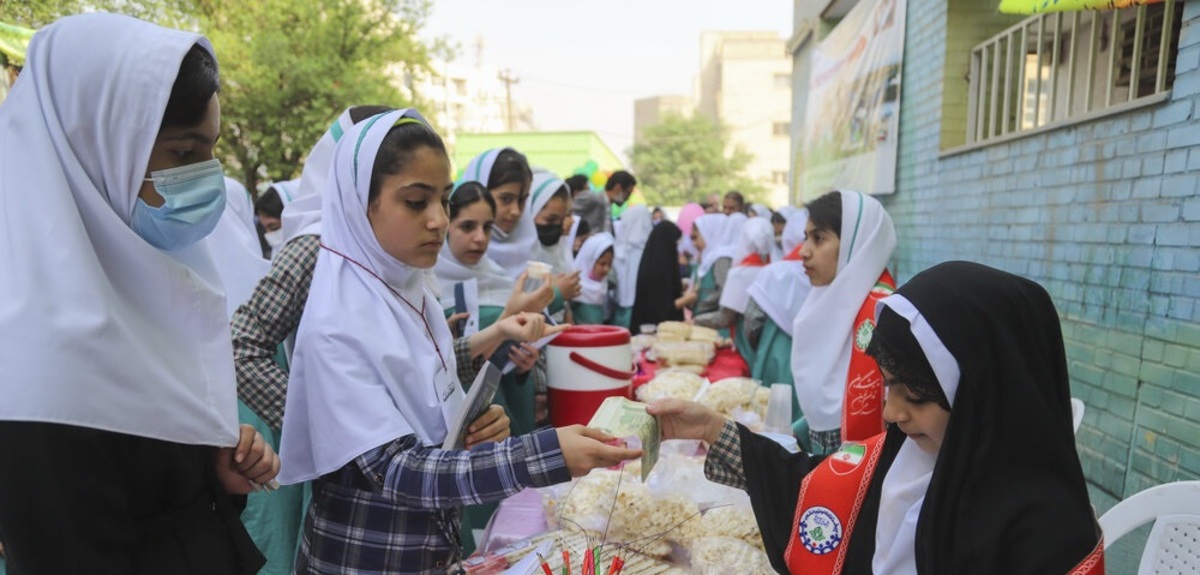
(683, 159)
(288, 67)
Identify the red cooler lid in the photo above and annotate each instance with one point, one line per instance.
(592, 336)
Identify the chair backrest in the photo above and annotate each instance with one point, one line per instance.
(1174, 542)
(1077, 408)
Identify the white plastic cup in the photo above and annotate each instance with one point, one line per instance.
(779, 409)
(538, 273)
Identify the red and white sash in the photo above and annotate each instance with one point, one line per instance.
(830, 502)
(862, 408)
(831, 497)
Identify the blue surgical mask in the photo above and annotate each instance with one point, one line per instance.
(194, 199)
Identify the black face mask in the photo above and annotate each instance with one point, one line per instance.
(549, 234)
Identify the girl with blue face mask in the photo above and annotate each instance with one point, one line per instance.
(119, 441)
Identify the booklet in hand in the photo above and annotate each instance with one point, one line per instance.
(478, 399)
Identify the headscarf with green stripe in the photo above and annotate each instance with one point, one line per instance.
(823, 327)
(302, 212)
(512, 250)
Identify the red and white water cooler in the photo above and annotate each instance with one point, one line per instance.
(584, 366)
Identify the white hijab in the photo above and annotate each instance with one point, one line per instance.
(235, 248)
(594, 291)
(907, 480)
(302, 215)
(712, 230)
(568, 245)
(731, 246)
(755, 237)
(98, 328)
(781, 288)
(821, 331)
(509, 250)
(365, 370)
(793, 231)
(544, 185)
(492, 283)
(777, 251)
(761, 211)
(632, 234)
(288, 190)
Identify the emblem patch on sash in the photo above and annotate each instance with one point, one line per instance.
(862, 335)
(820, 530)
(847, 458)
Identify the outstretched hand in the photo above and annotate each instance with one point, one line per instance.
(527, 326)
(534, 301)
(585, 449)
(568, 285)
(681, 419)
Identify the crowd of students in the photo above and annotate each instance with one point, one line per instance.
(164, 339)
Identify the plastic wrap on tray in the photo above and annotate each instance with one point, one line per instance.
(735, 395)
(735, 521)
(674, 382)
(701, 333)
(674, 328)
(670, 353)
(719, 555)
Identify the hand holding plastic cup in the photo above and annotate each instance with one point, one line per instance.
(537, 273)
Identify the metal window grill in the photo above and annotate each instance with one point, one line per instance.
(1052, 69)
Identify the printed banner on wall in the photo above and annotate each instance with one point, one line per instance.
(1040, 6)
(851, 124)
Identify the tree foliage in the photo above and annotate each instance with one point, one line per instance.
(288, 67)
(683, 159)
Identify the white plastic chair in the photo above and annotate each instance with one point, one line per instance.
(1077, 409)
(1174, 542)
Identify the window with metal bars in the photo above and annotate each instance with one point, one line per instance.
(1055, 69)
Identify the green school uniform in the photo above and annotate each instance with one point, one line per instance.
(274, 519)
(587, 313)
(622, 317)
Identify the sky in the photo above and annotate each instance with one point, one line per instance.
(582, 63)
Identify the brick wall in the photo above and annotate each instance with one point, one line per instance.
(1105, 214)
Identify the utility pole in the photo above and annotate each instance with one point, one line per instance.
(509, 79)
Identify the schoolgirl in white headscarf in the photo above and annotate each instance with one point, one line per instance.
(711, 231)
(491, 284)
(754, 246)
(594, 261)
(508, 177)
(826, 332)
(537, 236)
(375, 387)
(781, 287)
(302, 215)
(724, 253)
(114, 345)
(235, 247)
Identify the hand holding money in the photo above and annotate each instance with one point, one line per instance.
(621, 418)
(585, 449)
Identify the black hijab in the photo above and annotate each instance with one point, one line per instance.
(658, 280)
(1007, 495)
